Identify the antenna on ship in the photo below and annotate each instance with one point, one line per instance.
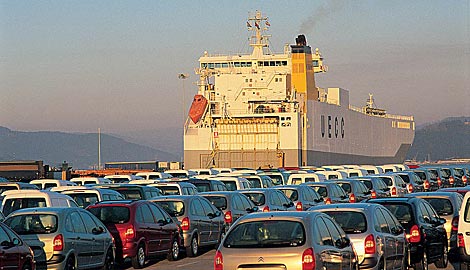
(258, 24)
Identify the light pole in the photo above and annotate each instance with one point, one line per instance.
(183, 77)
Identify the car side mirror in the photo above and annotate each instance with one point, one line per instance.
(97, 230)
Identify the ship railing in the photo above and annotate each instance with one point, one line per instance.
(391, 116)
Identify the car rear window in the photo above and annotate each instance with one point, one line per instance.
(169, 190)
(5, 188)
(218, 201)
(231, 185)
(266, 234)
(84, 199)
(131, 194)
(254, 182)
(111, 214)
(442, 206)
(13, 204)
(203, 187)
(257, 198)
(352, 222)
(402, 212)
(323, 191)
(368, 184)
(173, 208)
(387, 181)
(292, 194)
(33, 223)
(346, 187)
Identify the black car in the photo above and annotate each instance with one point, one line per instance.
(424, 229)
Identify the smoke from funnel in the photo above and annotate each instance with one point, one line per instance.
(320, 13)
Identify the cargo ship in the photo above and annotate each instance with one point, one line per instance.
(264, 109)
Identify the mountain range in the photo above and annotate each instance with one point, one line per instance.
(449, 138)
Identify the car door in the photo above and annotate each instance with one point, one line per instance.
(78, 238)
(385, 241)
(152, 229)
(163, 222)
(9, 253)
(329, 258)
(213, 219)
(199, 220)
(341, 256)
(98, 239)
(397, 233)
(438, 229)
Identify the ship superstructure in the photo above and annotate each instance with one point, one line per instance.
(263, 109)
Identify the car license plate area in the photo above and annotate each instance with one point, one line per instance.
(262, 267)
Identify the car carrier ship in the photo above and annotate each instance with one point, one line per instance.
(263, 109)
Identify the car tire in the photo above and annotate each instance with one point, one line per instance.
(423, 263)
(464, 266)
(138, 261)
(443, 260)
(193, 249)
(108, 261)
(26, 266)
(70, 263)
(174, 251)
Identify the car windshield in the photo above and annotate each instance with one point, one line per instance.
(257, 198)
(84, 199)
(173, 208)
(218, 201)
(266, 234)
(33, 223)
(442, 206)
(352, 222)
(111, 214)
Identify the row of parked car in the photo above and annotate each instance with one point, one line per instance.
(323, 221)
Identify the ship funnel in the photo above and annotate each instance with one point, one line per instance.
(300, 40)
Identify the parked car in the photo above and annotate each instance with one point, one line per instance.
(176, 188)
(81, 181)
(259, 181)
(84, 196)
(394, 182)
(133, 192)
(330, 191)
(232, 204)
(201, 222)
(302, 196)
(377, 235)
(20, 199)
(64, 238)
(301, 178)
(122, 178)
(285, 240)
(461, 190)
(356, 190)
(140, 229)
(441, 177)
(377, 187)
(461, 174)
(204, 185)
(427, 237)
(447, 205)
(14, 252)
(5, 186)
(429, 179)
(46, 184)
(154, 175)
(278, 178)
(463, 234)
(269, 199)
(233, 182)
(412, 180)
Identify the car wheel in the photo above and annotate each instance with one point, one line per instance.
(138, 261)
(108, 261)
(174, 251)
(70, 264)
(463, 266)
(193, 248)
(26, 266)
(443, 260)
(423, 264)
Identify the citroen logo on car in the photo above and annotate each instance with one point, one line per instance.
(260, 259)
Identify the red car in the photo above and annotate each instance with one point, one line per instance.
(140, 229)
(14, 253)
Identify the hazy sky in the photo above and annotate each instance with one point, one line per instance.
(76, 66)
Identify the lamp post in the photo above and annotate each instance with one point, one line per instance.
(183, 77)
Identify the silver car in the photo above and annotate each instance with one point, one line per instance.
(64, 238)
(377, 235)
(269, 199)
(285, 240)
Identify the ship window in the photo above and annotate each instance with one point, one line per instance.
(260, 63)
(203, 65)
(237, 64)
(280, 79)
(217, 65)
(278, 63)
(282, 118)
(284, 63)
(315, 63)
(246, 80)
(288, 118)
(251, 80)
(248, 64)
(225, 65)
(272, 63)
(243, 64)
(266, 63)
(276, 80)
(211, 65)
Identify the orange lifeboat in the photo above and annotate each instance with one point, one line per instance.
(198, 107)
